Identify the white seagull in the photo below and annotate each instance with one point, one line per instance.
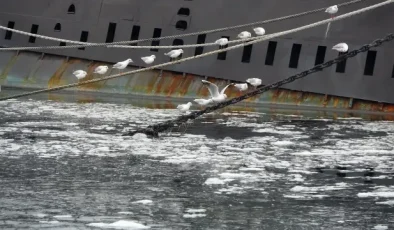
(222, 41)
(102, 69)
(149, 59)
(254, 81)
(122, 65)
(184, 107)
(214, 91)
(341, 47)
(241, 87)
(332, 10)
(244, 34)
(80, 74)
(203, 101)
(174, 53)
(259, 31)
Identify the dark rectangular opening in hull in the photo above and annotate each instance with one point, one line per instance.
(8, 34)
(370, 63)
(341, 66)
(295, 55)
(320, 55)
(33, 30)
(200, 40)
(111, 32)
(270, 57)
(247, 53)
(156, 34)
(83, 38)
(223, 55)
(135, 33)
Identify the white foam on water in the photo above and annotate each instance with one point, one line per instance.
(380, 227)
(143, 202)
(121, 224)
(195, 215)
(386, 192)
(214, 181)
(194, 210)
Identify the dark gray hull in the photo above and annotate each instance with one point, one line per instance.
(359, 79)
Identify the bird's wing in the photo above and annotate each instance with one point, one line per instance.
(213, 89)
(77, 72)
(119, 64)
(339, 45)
(169, 53)
(144, 58)
(224, 89)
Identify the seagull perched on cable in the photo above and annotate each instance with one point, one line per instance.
(341, 47)
(174, 53)
(149, 59)
(184, 107)
(244, 34)
(122, 65)
(254, 81)
(203, 101)
(332, 10)
(259, 31)
(222, 42)
(80, 74)
(241, 87)
(102, 69)
(214, 91)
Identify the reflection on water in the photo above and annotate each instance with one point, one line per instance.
(64, 164)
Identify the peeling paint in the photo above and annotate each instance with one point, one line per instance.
(164, 84)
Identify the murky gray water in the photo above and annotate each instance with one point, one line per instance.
(64, 165)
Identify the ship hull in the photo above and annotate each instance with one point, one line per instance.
(334, 87)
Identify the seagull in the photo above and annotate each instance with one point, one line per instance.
(102, 69)
(214, 91)
(242, 87)
(259, 31)
(332, 10)
(184, 107)
(244, 34)
(203, 101)
(174, 53)
(122, 65)
(222, 42)
(80, 74)
(341, 47)
(254, 81)
(149, 59)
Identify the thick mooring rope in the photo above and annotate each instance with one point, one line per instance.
(154, 130)
(113, 44)
(340, 17)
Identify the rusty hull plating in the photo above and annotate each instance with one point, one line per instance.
(32, 70)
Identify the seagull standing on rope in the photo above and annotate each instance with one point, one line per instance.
(184, 107)
(341, 47)
(174, 53)
(221, 42)
(102, 69)
(254, 81)
(241, 87)
(149, 59)
(332, 10)
(244, 34)
(259, 31)
(122, 65)
(214, 91)
(80, 74)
